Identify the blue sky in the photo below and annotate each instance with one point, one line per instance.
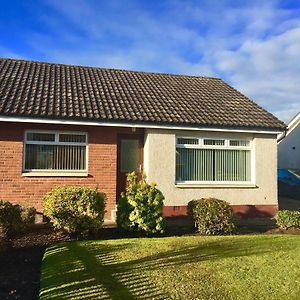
(253, 45)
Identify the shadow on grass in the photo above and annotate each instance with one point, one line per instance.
(88, 272)
(96, 270)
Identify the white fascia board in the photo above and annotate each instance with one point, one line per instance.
(290, 127)
(294, 121)
(130, 125)
(293, 124)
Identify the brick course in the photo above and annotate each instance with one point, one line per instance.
(29, 191)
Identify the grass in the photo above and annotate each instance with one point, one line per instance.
(227, 267)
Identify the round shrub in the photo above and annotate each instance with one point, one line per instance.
(15, 218)
(212, 216)
(27, 215)
(75, 209)
(286, 219)
(140, 208)
(10, 217)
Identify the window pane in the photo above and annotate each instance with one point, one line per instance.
(232, 165)
(194, 164)
(39, 136)
(214, 142)
(129, 160)
(213, 165)
(186, 141)
(55, 157)
(72, 138)
(239, 143)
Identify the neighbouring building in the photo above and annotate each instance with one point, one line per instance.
(289, 146)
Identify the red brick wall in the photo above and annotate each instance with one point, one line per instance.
(102, 164)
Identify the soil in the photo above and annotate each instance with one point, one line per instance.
(20, 262)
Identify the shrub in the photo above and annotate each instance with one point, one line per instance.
(286, 219)
(212, 216)
(27, 215)
(15, 218)
(75, 209)
(140, 208)
(10, 217)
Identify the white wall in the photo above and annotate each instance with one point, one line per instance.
(289, 150)
(160, 164)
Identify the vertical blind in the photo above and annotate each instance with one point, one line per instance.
(55, 151)
(202, 163)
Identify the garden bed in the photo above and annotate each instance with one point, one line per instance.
(21, 262)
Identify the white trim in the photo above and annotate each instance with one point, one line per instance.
(253, 161)
(226, 145)
(132, 125)
(215, 184)
(294, 122)
(53, 172)
(290, 127)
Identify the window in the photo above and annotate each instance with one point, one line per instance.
(208, 160)
(57, 151)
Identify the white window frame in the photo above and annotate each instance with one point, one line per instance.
(225, 146)
(55, 142)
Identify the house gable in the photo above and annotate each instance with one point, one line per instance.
(289, 146)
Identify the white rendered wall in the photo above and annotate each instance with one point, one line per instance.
(160, 167)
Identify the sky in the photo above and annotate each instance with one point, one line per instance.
(252, 45)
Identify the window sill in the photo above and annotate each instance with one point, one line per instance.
(215, 185)
(54, 174)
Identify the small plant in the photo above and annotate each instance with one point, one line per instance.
(286, 219)
(10, 217)
(75, 209)
(212, 216)
(27, 215)
(141, 207)
(15, 218)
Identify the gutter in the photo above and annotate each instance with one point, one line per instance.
(282, 136)
(135, 125)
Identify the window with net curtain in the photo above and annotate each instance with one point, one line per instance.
(213, 160)
(56, 151)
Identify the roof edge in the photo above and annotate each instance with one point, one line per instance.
(149, 125)
(294, 121)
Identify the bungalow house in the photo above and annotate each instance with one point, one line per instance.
(194, 136)
(289, 146)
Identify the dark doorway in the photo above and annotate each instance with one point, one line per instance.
(130, 158)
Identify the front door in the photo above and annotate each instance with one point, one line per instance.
(130, 158)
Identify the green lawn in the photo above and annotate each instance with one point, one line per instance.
(232, 267)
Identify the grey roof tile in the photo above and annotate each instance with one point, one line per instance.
(46, 90)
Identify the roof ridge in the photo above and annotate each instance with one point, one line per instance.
(110, 69)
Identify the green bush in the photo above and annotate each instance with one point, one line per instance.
(10, 217)
(140, 208)
(212, 216)
(286, 219)
(75, 209)
(15, 218)
(27, 215)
